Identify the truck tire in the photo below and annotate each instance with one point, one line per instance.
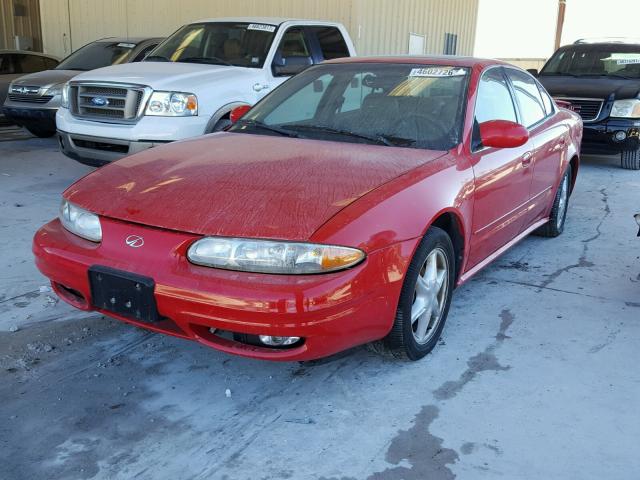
(630, 159)
(41, 132)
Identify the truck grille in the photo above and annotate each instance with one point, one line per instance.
(114, 104)
(20, 93)
(587, 108)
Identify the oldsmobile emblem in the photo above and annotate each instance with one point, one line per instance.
(134, 241)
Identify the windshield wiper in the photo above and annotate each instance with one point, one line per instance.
(208, 60)
(156, 58)
(271, 128)
(380, 139)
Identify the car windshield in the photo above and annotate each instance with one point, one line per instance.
(237, 44)
(98, 55)
(615, 61)
(398, 105)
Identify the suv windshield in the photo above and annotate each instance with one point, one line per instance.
(237, 44)
(98, 55)
(596, 60)
(417, 106)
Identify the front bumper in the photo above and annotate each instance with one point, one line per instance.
(22, 115)
(331, 312)
(599, 137)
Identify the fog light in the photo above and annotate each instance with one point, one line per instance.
(620, 135)
(278, 341)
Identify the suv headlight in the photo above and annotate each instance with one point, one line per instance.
(265, 256)
(626, 109)
(80, 222)
(54, 90)
(172, 104)
(64, 101)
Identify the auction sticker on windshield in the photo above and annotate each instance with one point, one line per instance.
(437, 72)
(262, 27)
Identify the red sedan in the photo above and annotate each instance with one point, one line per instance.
(342, 209)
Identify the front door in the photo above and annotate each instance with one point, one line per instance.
(502, 176)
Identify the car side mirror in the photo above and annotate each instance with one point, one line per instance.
(503, 134)
(238, 112)
(533, 71)
(288, 66)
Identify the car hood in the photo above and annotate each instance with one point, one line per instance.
(46, 78)
(164, 75)
(590, 87)
(242, 185)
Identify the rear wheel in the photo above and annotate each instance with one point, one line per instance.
(39, 131)
(425, 297)
(630, 160)
(555, 225)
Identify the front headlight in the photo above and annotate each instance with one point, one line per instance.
(626, 109)
(80, 222)
(64, 101)
(266, 256)
(172, 104)
(54, 90)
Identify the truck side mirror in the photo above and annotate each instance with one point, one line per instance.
(288, 66)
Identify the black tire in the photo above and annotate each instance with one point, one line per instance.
(630, 160)
(401, 341)
(555, 225)
(41, 132)
(221, 125)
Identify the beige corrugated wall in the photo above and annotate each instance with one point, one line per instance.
(376, 26)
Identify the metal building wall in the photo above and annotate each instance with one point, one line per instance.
(376, 26)
(25, 24)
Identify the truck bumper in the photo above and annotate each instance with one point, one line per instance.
(600, 137)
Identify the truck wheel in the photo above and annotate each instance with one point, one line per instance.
(631, 159)
(555, 225)
(42, 132)
(425, 298)
(221, 125)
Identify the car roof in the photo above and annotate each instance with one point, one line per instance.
(448, 60)
(135, 40)
(267, 20)
(29, 52)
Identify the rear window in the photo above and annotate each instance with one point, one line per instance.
(98, 55)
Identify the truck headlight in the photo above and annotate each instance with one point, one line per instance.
(64, 101)
(626, 108)
(266, 256)
(80, 222)
(172, 104)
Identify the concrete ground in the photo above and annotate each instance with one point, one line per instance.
(536, 376)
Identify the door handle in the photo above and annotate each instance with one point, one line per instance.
(527, 157)
(259, 87)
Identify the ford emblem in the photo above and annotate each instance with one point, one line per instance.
(100, 101)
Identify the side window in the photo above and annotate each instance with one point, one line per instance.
(143, 53)
(357, 90)
(309, 97)
(494, 102)
(528, 97)
(6, 65)
(293, 44)
(546, 101)
(50, 63)
(331, 42)
(29, 63)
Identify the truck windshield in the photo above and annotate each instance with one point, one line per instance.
(618, 61)
(98, 55)
(395, 105)
(237, 44)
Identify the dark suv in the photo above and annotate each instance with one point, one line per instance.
(601, 82)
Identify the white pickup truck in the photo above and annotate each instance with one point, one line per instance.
(189, 84)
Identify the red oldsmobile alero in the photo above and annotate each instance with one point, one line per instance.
(344, 208)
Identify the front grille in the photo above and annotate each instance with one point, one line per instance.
(29, 98)
(587, 108)
(117, 103)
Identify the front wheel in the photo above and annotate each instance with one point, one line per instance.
(425, 297)
(630, 160)
(39, 131)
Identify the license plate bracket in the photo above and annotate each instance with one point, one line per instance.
(124, 293)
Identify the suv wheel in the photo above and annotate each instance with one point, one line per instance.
(631, 159)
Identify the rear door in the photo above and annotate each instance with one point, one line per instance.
(502, 176)
(549, 137)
